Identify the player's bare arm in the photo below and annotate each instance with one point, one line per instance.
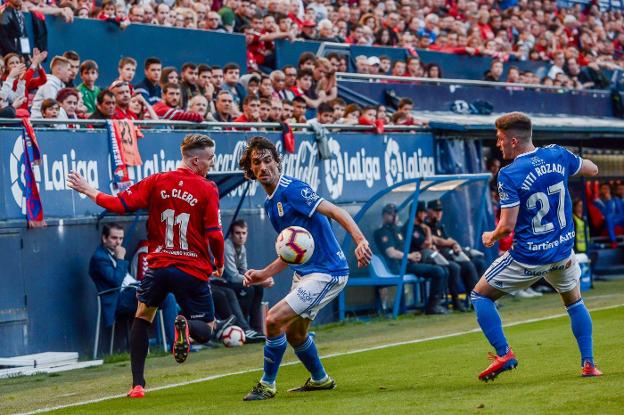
(505, 226)
(260, 276)
(588, 168)
(363, 253)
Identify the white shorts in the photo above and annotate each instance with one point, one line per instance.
(309, 293)
(508, 275)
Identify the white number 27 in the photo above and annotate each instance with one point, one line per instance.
(542, 199)
(168, 216)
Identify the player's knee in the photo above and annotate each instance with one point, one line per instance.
(296, 339)
(273, 324)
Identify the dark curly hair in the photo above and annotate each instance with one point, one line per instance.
(257, 143)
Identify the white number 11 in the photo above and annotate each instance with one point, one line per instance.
(182, 219)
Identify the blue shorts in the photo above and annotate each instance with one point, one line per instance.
(192, 294)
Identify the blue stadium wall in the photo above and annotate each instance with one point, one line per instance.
(47, 300)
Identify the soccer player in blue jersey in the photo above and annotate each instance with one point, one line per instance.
(315, 283)
(536, 206)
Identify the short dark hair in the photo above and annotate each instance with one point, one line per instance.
(338, 101)
(195, 142)
(515, 124)
(257, 143)
(230, 66)
(168, 86)
(151, 61)
(239, 223)
(71, 55)
(216, 68)
(304, 72)
(104, 93)
(250, 98)
(306, 56)
(188, 65)
(299, 100)
(405, 101)
(325, 107)
(89, 65)
(108, 226)
(203, 68)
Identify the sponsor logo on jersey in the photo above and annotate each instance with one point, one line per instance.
(309, 195)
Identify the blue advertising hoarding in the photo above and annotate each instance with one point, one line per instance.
(360, 166)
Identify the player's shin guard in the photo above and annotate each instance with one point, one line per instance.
(200, 331)
(274, 349)
(308, 355)
(139, 344)
(582, 328)
(490, 322)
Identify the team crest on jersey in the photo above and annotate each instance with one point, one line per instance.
(181, 183)
(309, 195)
(280, 209)
(536, 161)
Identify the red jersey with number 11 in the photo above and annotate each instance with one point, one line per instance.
(183, 219)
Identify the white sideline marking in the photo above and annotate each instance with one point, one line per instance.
(367, 349)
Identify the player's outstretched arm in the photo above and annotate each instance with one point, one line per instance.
(588, 168)
(363, 252)
(505, 226)
(80, 184)
(264, 276)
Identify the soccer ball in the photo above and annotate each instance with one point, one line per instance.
(233, 336)
(294, 245)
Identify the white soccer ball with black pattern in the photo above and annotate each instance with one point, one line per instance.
(233, 336)
(294, 245)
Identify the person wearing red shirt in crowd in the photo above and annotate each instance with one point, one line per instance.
(167, 108)
(183, 221)
(109, 14)
(251, 110)
(121, 89)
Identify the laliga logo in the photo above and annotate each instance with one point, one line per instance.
(17, 174)
(334, 170)
(392, 162)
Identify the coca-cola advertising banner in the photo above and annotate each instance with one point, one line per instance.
(360, 165)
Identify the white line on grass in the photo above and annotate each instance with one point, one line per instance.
(366, 349)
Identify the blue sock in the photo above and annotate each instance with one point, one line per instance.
(274, 349)
(308, 355)
(582, 329)
(490, 322)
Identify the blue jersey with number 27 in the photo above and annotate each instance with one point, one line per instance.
(294, 203)
(537, 182)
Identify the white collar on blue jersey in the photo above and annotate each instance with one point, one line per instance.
(275, 190)
(528, 153)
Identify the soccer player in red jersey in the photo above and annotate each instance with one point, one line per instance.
(183, 221)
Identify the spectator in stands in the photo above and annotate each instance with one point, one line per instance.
(612, 210)
(89, 74)
(250, 298)
(373, 64)
(199, 105)
(308, 30)
(325, 115)
(162, 14)
(351, 115)
(275, 113)
(288, 112)
(253, 84)
(399, 68)
(9, 109)
(339, 108)
(227, 14)
(470, 268)
(266, 88)
(12, 29)
(414, 67)
(213, 22)
(581, 230)
(108, 13)
(299, 109)
(290, 77)
(136, 14)
(557, 64)
(23, 80)
(126, 70)
(188, 86)
(326, 32)
(390, 244)
(382, 114)
(141, 108)
(223, 107)
(149, 87)
(278, 80)
(251, 110)
(61, 72)
(406, 106)
(495, 73)
(384, 65)
(361, 64)
(231, 75)
(50, 109)
(430, 29)
(169, 75)
(434, 71)
(217, 77)
(105, 106)
(167, 108)
(121, 89)
(68, 101)
(302, 85)
(204, 82)
(74, 66)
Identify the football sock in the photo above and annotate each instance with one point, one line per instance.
(274, 349)
(139, 344)
(582, 328)
(308, 355)
(490, 322)
(200, 331)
